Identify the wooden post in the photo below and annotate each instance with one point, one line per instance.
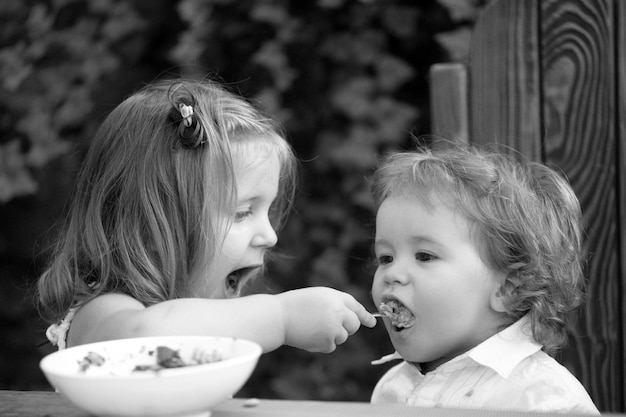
(448, 102)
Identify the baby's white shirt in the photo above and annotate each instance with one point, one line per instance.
(508, 371)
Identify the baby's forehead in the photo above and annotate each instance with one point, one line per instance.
(430, 197)
(433, 199)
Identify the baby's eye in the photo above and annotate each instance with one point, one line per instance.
(425, 256)
(241, 215)
(385, 259)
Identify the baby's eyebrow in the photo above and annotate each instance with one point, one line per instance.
(423, 239)
(381, 242)
(414, 240)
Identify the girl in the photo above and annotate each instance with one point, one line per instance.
(479, 260)
(175, 209)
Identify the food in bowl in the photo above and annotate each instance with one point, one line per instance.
(129, 377)
(146, 359)
(400, 316)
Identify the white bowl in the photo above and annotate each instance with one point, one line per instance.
(188, 390)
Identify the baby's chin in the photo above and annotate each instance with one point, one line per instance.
(425, 363)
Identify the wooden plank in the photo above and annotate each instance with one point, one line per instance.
(620, 21)
(449, 101)
(577, 56)
(504, 77)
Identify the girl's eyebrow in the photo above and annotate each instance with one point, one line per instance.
(247, 199)
(253, 199)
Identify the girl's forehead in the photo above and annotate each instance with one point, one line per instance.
(253, 149)
(254, 157)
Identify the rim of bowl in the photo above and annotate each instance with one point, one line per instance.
(254, 353)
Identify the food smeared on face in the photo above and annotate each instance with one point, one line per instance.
(400, 316)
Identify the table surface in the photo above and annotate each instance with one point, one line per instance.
(52, 404)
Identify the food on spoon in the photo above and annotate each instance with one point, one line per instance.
(397, 312)
(146, 359)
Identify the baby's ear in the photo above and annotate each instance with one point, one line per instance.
(498, 299)
(502, 292)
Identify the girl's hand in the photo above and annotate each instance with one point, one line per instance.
(319, 319)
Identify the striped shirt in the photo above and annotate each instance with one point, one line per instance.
(508, 371)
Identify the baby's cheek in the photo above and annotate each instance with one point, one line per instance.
(377, 289)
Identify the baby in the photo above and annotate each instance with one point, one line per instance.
(479, 260)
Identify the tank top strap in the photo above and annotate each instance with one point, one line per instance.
(57, 333)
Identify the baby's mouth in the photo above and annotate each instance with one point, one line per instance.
(400, 316)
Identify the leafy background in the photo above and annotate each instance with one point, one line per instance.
(347, 78)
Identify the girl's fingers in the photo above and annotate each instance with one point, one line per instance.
(351, 323)
(341, 337)
(365, 317)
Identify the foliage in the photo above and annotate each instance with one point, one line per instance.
(52, 57)
(347, 78)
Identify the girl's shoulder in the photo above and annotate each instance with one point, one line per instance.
(93, 317)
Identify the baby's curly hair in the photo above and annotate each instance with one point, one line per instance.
(526, 217)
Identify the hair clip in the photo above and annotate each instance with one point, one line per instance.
(186, 112)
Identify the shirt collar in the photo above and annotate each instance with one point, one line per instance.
(503, 351)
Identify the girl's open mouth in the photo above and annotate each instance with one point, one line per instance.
(400, 316)
(245, 272)
(238, 278)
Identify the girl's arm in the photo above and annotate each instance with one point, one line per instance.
(316, 319)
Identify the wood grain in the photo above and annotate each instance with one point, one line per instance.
(577, 67)
(620, 14)
(504, 77)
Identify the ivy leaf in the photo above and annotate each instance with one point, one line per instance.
(272, 56)
(456, 42)
(75, 108)
(461, 10)
(354, 98)
(354, 152)
(15, 180)
(356, 49)
(393, 72)
(14, 69)
(393, 118)
(401, 21)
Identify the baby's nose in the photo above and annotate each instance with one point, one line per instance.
(397, 273)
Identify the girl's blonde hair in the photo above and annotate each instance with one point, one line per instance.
(152, 195)
(526, 217)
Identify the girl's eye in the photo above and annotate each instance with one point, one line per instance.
(385, 259)
(425, 256)
(241, 215)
